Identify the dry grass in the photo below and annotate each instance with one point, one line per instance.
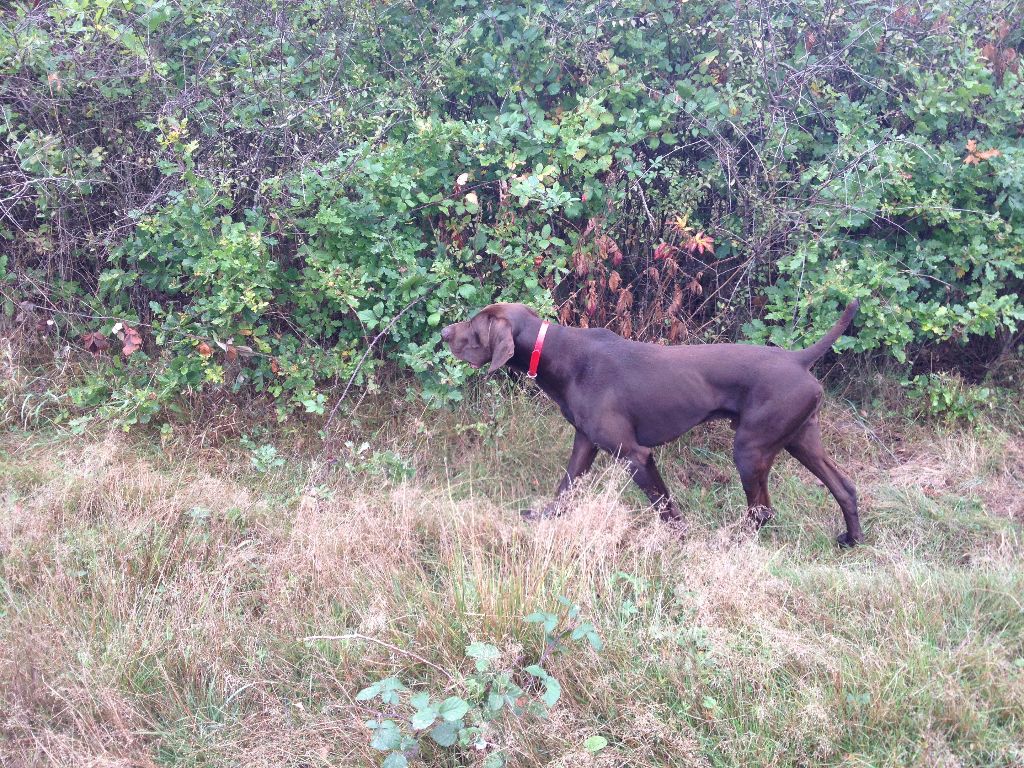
(155, 599)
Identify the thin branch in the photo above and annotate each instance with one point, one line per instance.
(389, 646)
(359, 365)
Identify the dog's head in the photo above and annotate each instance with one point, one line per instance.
(488, 337)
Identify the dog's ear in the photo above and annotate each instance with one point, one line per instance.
(499, 340)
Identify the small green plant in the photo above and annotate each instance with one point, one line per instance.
(263, 456)
(946, 395)
(200, 515)
(632, 590)
(565, 625)
(362, 460)
(411, 722)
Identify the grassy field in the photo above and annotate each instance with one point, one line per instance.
(159, 593)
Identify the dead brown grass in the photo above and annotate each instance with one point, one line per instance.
(155, 604)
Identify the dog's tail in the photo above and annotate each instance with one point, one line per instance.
(817, 349)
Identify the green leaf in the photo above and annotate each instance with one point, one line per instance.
(484, 653)
(586, 631)
(369, 692)
(552, 691)
(387, 689)
(549, 620)
(552, 688)
(424, 718)
(395, 760)
(445, 733)
(386, 737)
(595, 744)
(453, 708)
(495, 701)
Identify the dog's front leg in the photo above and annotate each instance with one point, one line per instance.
(645, 474)
(580, 460)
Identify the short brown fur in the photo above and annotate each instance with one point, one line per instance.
(626, 397)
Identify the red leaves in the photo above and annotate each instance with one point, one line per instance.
(677, 301)
(1000, 56)
(700, 243)
(624, 302)
(580, 262)
(233, 351)
(608, 249)
(132, 341)
(697, 244)
(974, 156)
(95, 342)
(664, 250)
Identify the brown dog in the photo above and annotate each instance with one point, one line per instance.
(626, 397)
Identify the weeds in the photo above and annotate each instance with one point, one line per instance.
(158, 596)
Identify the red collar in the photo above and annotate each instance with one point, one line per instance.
(537, 347)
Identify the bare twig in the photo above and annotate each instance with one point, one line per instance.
(369, 348)
(389, 646)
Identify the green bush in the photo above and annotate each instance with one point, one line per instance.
(263, 192)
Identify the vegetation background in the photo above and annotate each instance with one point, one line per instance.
(252, 513)
(247, 194)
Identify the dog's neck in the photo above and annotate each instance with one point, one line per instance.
(552, 372)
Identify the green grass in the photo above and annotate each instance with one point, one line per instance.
(155, 595)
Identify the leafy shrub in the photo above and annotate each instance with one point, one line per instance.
(466, 722)
(947, 396)
(263, 192)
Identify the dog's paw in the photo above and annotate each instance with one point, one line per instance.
(845, 541)
(670, 514)
(533, 515)
(678, 526)
(760, 515)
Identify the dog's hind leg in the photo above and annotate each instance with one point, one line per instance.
(754, 464)
(761, 433)
(806, 448)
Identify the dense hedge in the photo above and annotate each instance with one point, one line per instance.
(248, 194)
